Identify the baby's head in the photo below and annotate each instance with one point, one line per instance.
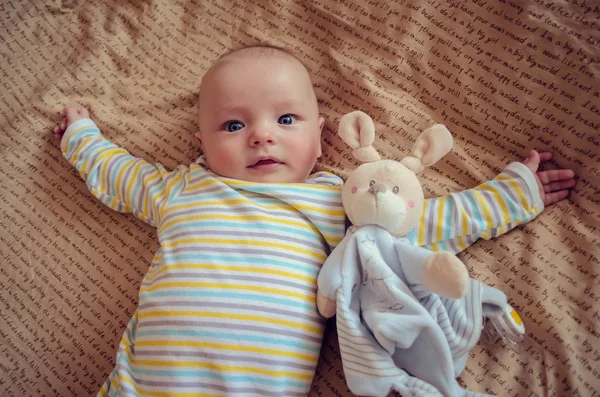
(259, 117)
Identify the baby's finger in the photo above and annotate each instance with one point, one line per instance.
(532, 157)
(554, 175)
(533, 161)
(71, 113)
(554, 197)
(545, 156)
(559, 185)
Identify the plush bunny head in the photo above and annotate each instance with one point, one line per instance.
(387, 193)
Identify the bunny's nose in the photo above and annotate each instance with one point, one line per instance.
(377, 188)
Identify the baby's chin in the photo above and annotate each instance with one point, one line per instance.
(273, 178)
(280, 174)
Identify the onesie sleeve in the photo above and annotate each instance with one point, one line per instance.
(121, 181)
(454, 222)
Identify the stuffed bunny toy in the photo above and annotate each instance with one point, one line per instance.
(400, 308)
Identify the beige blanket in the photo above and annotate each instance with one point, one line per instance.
(504, 75)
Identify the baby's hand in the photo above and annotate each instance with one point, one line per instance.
(70, 115)
(554, 185)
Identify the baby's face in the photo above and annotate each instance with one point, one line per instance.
(259, 119)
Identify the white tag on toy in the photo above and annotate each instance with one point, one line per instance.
(507, 327)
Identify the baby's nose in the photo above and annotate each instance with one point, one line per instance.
(377, 188)
(261, 141)
(261, 136)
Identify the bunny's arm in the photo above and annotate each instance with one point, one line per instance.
(424, 271)
(330, 279)
(454, 222)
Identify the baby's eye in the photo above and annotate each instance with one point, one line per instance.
(286, 119)
(233, 126)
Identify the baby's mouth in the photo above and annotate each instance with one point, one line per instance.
(266, 162)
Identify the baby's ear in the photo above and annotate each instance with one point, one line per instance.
(198, 137)
(320, 148)
(321, 123)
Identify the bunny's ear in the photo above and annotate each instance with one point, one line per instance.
(433, 144)
(358, 131)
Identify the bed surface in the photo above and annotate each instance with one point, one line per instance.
(504, 76)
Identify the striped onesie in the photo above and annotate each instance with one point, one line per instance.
(228, 304)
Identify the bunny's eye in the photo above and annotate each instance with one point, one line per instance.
(371, 183)
(396, 189)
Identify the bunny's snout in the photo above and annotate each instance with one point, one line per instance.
(377, 188)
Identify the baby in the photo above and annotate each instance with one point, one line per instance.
(228, 304)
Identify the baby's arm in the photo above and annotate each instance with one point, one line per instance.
(515, 196)
(121, 181)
